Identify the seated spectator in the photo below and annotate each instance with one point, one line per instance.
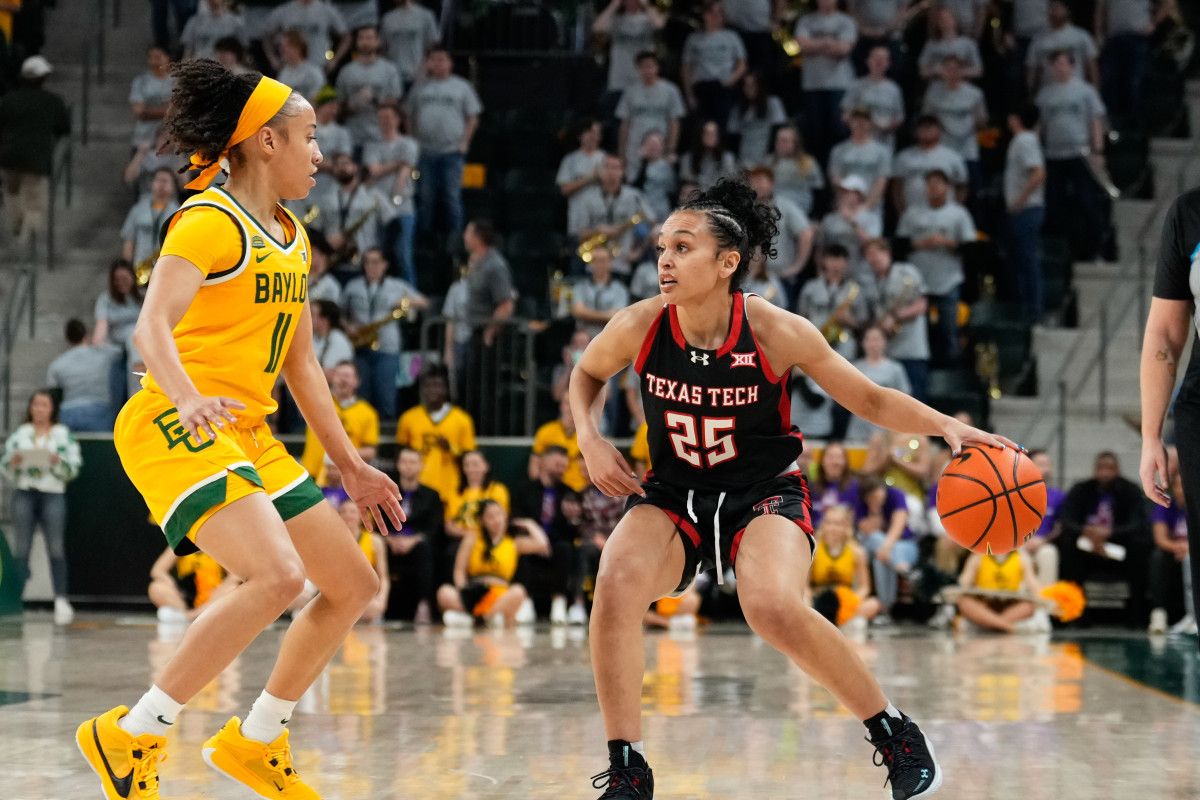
(462, 512)
(181, 586)
(373, 547)
(572, 351)
(1073, 128)
(323, 27)
(580, 168)
(631, 27)
(881, 518)
(794, 244)
(147, 160)
(927, 153)
(366, 82)
(142, 231)
(540, 497)
(882, 371)
(408, 31)
(655, 177)
(331, 484)
(608, 207)
(321, 284)
(202, 31)
(438, 431)
(555, 435)
(651, 104)
(833, 484)
(484, 570)
(370, 300)
(298, 72)
(1060, 35)
(390, 161)
(862, 155)
(834, 302)
(443, 110)
(117, 309)
(149, 95)
(896, 295)
(961, 109)
(335, 141)
(851, 224)
(549, 576)
(947, 40)
(755, 115)
(1012, 572)
(330, 343)
(880, 96)
(1106, 541)
(1025, 200)
(419, 554)
(1170, 570)
(1045, 555)
(901, 460)
(797, 174)
(84, 376)
(598, 297)
(839, 585)
(40, 458)
(937, 229)
(352, 216)
(359, 419)
(826, 37)
(713, 61)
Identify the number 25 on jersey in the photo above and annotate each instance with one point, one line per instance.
(701, 441)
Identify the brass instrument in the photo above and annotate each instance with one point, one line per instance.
(987, 367)
(902, 298)
(349, 249)
(832, 330)
(562, 295)
(368, 335)
(311, 216)
(143, 268)
(590, 244)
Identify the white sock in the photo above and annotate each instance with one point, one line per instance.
(638, 747)
(154, 713)
(267, 717)
(892, 711)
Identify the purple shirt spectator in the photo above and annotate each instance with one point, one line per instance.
(893, 502)
(1174, 517)
(830, 495)
(1054, 498)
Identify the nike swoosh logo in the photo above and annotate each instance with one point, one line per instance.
(262, 258)
(122, 785)
(284, 721)
(278, 785)
(163, 721)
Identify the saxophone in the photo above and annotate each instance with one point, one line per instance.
(368, 335)
(832, 330)
(349, 249)
(143, 268)
(592, 243)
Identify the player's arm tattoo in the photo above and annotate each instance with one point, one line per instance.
(1164, 356)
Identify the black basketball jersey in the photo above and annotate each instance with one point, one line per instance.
(716, 419)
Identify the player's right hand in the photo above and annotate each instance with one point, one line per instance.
(608, 469)
(200, 415)
(1154, 473)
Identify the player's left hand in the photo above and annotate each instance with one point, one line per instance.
(376, 495)
(957, 433)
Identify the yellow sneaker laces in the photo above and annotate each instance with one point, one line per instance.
(145, 762)
(279, 758)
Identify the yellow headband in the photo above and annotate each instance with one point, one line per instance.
(264, 103)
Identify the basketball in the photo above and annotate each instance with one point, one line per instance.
(991, 500)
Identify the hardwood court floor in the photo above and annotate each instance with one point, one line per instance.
(416, 714)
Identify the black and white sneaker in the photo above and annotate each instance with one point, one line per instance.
(628, 776)
(900, 745)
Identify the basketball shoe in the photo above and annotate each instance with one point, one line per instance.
(265, 768)
(900, 745)
(628, 777)
(127, 764)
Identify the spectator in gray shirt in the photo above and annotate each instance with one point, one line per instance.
(365, 83)
(333, 138)
(880, 96)
(408, 31)
(330, 343)
(794, 244)
(713, 61)
(1024, 197)
(960, 107)
(1073, 123)
(851, 223)
(297, 71)
(351, 215)
(969, 14)
(202, 31)
(597, 298)
(880, 24)
(896, 296)
(117, 308)
(650, 104)
(83, 375)
(490, 301)
(149, 95)
(444, 112)
(754, 22)
(756, 115)
(390, 161)
(797, 174)
(833, 299)
(609, 206)
(864, 156)
(948, 41)
(937, 230)
(580, 168)
(1061, 35)
(826, 38)
(141, 233)
(912, 164)
(708, 161)
(655, 178)
(323, 27)
(321, 284)
(883, 371)
(630, 26)
(1125, 27)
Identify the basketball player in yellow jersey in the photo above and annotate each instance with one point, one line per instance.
(225, 315)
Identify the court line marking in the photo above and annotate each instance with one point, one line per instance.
(1188, 704)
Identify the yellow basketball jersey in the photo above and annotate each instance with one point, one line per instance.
(366, 542)
(503, 561)
(1004, 574)
(234, 336)
(464, 508)
(830, 570)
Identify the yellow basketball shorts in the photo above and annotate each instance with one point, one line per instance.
(185, 481)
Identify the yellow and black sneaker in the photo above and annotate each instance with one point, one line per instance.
(266, 769)
(127, 764)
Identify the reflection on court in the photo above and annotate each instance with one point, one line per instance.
(419, 714)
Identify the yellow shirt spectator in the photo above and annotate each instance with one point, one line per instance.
(555, 434)
(463, 509)
(440, 438)
(361, 424)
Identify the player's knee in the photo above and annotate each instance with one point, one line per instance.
(770, 614)
(283, 583)
(624, 581)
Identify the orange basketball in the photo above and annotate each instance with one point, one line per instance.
(991, 500)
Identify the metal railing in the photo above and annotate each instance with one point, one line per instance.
(94, 61)
(21, 303)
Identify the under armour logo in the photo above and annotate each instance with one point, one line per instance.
(743, 360)
(768, 506)
(700, 358)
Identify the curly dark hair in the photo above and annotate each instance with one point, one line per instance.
(205, 104)
(737, 219)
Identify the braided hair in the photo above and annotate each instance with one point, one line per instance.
(206, 101)
(737, 220)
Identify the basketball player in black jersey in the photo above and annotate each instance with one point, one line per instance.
(725, 490)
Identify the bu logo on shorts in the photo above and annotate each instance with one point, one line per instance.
(768, 506)
(171, 429)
